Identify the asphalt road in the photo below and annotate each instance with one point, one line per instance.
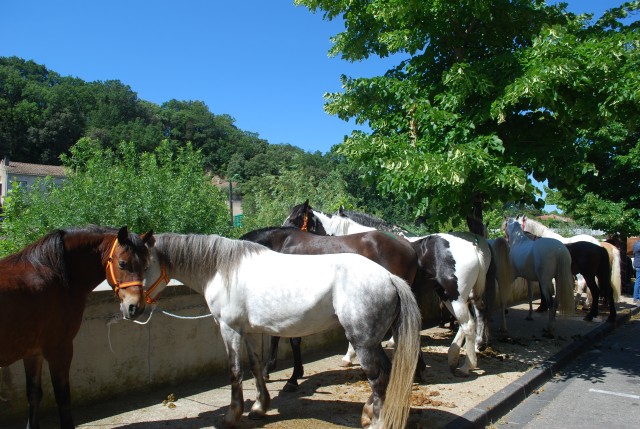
(600, 389)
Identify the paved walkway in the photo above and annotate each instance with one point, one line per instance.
(332, 397)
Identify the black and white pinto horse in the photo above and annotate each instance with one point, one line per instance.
(455, 265)
(251, 290)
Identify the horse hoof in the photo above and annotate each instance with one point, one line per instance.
(345, 363)
(588, 318)
(460, 373)
(257, 414)
(611, 319)
(290, 387)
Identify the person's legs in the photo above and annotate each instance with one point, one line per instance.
(636, 287)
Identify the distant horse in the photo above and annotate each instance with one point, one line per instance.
(393, 253)
(503, 270)
(252, 290)
(592, 261)
(630, 242)
(542, 260)
(43, 292)
(454, 265)
(540, 230)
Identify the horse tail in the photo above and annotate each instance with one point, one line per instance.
(504, 270)
(615, 274)
(483, 251)
(395, 410)
(564, 283)
(605, 275)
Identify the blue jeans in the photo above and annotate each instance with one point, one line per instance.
(636, 287)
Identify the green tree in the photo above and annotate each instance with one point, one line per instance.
(166, 190)
(583, 79)
(268, 198)
(448, 128)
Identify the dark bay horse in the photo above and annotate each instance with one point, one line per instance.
(592, 261)
(455, 266)
(393, 253)
(43, 291)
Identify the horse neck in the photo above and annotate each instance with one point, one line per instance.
(177, 267)
(517, 236)
(88, 254)
(327, 223)
(542, 231)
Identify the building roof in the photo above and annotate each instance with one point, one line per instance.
(33, 169)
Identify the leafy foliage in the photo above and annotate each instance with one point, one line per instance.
(165, 190)
(485, 96)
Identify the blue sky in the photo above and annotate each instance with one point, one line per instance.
(263, 62)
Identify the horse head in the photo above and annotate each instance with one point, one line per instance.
(303, 217)
(476, 226)
(155, 277)
(128, 259)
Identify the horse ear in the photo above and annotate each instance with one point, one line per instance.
(123, 235)
(148, 238)
(305, 205)
(341, 210)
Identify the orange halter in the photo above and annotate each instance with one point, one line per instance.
(163, 277)
(111, 277)
(304, 221)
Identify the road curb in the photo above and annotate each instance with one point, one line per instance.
(506, 399)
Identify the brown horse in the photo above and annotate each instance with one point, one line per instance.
(43, 291)
(392, 252)
(630, 242)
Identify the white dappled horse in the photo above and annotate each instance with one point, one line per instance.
(539, 230)
(543, 260)
(251, 290)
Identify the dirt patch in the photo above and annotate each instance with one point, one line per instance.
(330, 396)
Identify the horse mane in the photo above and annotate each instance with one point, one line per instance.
(535, 227)
(256, 233)
(375, 222)
(199, 253)
(49, 250)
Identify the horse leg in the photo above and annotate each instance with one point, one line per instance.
(595, 293)
(33, 372)
(377, 367)
(298, 369)
(482, 332)
(530, 293)
(59, 367)
(349, 357)
(232, 340)
(612, 306)
(271, 362)
(263, 400)
(468, 330)
(466, 333)
(546, 289)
